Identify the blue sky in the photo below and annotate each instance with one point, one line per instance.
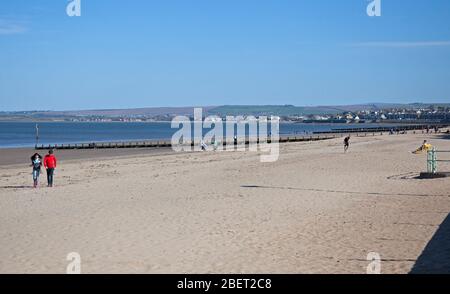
(145, 53)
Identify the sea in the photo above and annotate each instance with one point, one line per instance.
(23, 134)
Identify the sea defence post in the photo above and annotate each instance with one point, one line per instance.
(432, 164)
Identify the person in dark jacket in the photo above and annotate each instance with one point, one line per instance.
(346, 143)
(36, 163)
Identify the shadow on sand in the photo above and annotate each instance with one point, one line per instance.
(435, 258)
(343, 192)
(405, 176)
(16, 187)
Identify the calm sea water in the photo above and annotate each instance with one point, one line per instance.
(23, 134)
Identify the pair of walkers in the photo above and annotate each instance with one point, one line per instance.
(49, 164)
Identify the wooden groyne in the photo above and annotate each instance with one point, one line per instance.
(168, 144)
(105, 145)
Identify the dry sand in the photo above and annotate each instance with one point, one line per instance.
(315, 210)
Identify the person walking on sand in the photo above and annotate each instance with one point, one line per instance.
(50, 165)
(203, 146)
(36, 163)
(215, 145)
(346, 143)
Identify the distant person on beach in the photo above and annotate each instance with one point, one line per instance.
(36, 163)
(203, 145)
(50, 165)
(346, 143)
(215, 145)
(425, 147)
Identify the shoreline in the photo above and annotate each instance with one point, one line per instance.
(11, 157)
(20, 155)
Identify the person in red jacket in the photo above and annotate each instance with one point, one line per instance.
(50, 165)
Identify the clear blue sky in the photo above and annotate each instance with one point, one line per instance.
(144, 53)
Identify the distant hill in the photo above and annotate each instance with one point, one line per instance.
(165, 113)
(150, 111)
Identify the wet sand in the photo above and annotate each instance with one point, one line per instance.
(21, 156)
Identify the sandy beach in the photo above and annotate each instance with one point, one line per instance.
(315, 210)
(18, 156)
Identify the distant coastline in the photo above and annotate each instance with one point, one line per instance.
(373, 113)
